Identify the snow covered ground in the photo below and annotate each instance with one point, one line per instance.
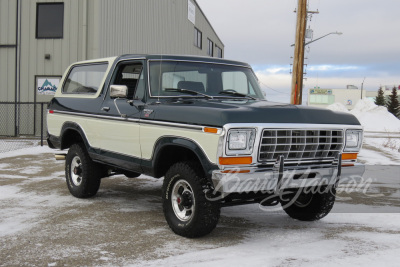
(374, 118)
(381, 132)
(42, 225)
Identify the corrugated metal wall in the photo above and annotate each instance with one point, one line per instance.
(8, 24)
(92, 29)
(31, 58)
(151, 26)
(8, 11)
(97, 28)
(62, 51)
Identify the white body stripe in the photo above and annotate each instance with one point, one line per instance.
(132, 138)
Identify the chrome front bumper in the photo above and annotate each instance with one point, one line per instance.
(256, 179)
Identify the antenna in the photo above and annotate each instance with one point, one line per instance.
(159, 75)
(159, 81)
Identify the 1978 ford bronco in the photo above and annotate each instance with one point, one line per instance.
(204, 125)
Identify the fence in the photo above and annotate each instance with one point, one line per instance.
(20, 122)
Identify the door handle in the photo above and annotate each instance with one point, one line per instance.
(105, 108)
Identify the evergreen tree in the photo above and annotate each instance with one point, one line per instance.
(393, 105)
(380, 99)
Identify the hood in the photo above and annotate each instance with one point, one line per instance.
(219, 112)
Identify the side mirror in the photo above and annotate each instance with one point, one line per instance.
(118, 91)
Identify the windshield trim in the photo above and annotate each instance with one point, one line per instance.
(193, 61)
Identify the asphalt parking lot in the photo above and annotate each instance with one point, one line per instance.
(41, 224)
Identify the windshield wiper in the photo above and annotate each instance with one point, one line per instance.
(187, 91)
(236, 94)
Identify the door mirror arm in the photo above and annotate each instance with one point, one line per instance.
(137, 103)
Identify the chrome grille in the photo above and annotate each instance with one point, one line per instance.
(300, 146)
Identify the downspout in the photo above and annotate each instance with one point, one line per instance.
(84, 30)
(16, 70)
(19, 59)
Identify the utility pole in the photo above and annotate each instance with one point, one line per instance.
(362, 86)
(298, 60)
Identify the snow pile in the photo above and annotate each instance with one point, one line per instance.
(338, 107)
(374, 118)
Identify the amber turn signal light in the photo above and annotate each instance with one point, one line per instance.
(349, 156)
(210, 130)
(235, 160)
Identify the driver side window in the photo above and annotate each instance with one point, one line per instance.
(140, 88)
(129, 75)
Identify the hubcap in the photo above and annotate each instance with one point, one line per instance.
(76, 171)
(182, 200)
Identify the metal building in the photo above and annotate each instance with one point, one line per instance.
(323, 97)
(40, 38)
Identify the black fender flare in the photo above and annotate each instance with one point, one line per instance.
(74, 127)
(165, 141)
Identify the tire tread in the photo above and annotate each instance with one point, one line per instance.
(208, 213)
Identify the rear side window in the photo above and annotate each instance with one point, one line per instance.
(85, 79)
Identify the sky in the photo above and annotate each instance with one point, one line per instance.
(261, 32)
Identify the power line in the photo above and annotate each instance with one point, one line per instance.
(268, 87)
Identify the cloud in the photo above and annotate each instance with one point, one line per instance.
(332, 68)
(276, 81)
(260, 32)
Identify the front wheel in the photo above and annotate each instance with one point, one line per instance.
(312, 205)
(82, 174)
(185, 206)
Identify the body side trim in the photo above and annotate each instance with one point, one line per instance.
(92, 115)
(141, 121)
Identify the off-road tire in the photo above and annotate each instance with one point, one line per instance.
(311, 206)
(205, 214)
(86, 183)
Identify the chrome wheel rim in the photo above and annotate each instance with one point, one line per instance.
(183, 201)
(76, 171)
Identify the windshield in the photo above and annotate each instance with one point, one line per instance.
(215, 80)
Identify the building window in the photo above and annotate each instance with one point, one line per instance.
(49, 20)
(197, 38)
(210, 49)
(219, 51)
(322, 99)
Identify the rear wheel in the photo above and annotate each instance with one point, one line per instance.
(82, 174)
(309, 206)
(185, 206)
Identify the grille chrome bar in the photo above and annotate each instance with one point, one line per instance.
(300, 145)
(297, 151)
(288, 136)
